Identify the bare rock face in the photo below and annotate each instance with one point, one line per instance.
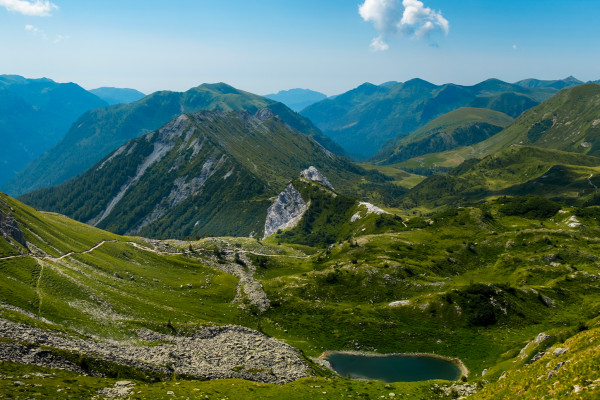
(264, 113)
(314, 175)
(10, 228)
(285, 212)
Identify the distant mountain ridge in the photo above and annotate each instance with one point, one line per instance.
(210, 172)
(97, 133)
(114, 95)
(556, 84)
(297, 99)
(34, 115)
(363, 119)
(569, 121)
(461, 127)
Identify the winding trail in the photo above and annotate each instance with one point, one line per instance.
(37, 288)
(249, 291)
(589, 179)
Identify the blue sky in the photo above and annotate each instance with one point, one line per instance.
(267, 45)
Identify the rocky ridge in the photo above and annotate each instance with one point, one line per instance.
(217, 352)
(313, 174)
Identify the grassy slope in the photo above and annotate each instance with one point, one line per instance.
(447, 128)
(331, 299)
(456, 118)
(82, 292)
(578, 377)
(565, 122)
(516, 170)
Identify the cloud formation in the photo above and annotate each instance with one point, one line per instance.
(41, 34)
(38, 8)
(409, 18)
(36, 32)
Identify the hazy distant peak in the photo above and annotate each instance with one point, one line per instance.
(297, 99)
(113, 95)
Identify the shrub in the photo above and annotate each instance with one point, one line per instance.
(534, 207)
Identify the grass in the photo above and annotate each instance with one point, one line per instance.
(57, 384)
(480, 286)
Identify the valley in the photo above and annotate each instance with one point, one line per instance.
(275, 200)
(229, 252)
(477, 283)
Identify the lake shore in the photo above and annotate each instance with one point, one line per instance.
(464, 371)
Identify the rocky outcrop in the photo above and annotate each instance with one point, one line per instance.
(249, 292)
(313, 174)
(218, 352)
(370, 209)
(286, 211)
(9, 228)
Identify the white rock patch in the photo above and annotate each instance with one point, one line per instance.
(371, 209)
(314, 175)
(286, 211)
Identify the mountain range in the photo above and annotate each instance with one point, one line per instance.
(34, 115)
(550, 150)
(489, 263)
(569, 121)
(210, 172)
(362, 120)
(98, 132)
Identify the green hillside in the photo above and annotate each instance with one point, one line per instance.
(518, 170)
(365, 118)
(461, 127)
(230, 163)
(568, 122)
(478, 283)
(99, 132)
(34, 115)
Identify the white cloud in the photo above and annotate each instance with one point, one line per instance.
(410, 18)
(378, 44)
(37, 8)
(514, 47)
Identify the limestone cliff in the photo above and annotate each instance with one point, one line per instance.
(285, 212)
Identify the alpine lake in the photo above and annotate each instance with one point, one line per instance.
(394, 367)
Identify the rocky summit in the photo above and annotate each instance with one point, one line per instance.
(210, 172)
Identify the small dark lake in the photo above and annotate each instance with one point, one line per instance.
(393, 368)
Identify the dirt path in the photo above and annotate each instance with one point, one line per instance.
(17, 256)
(249, 291)
(589, 179)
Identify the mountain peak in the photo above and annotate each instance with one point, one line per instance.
(313, 174)
(418, 83)
(220, 87)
